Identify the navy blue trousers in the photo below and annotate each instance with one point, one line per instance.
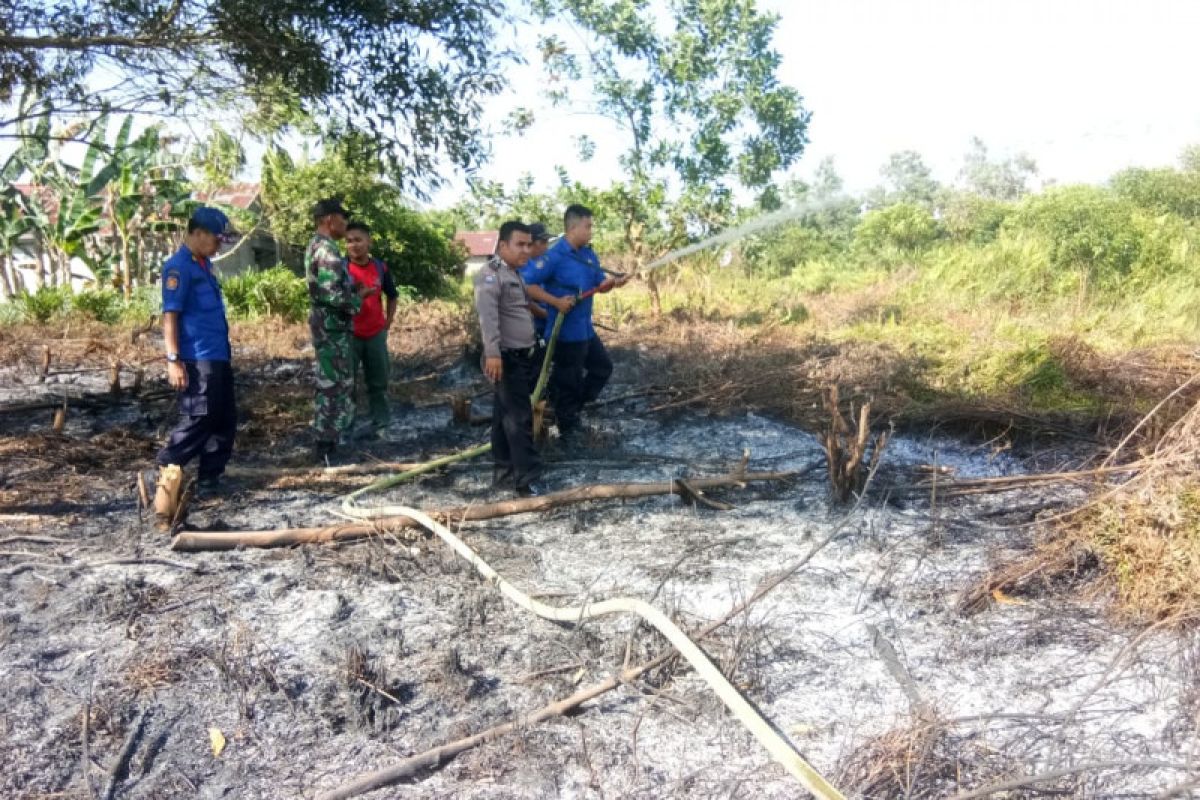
(207, 419)
(581, 371)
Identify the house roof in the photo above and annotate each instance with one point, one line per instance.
(478, 243)
(235, 195)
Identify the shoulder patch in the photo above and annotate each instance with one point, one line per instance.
(172, 280)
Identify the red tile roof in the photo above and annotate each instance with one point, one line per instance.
(478, 243)
(235, 195)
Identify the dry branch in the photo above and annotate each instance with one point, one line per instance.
(1098, 766)
(846, 446)
(230, 540)
(900, 674)
(60, 418)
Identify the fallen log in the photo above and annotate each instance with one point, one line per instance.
(191, 541)
(88, 401)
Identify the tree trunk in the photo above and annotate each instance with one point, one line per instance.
(655, 298)
(6, 276)
(126, 277)
(231, 540)
(38, 273)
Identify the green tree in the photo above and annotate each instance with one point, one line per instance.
(996, 180)
(408, 77)
(692, 86)
(1189, 159)
(139, 183)
(14, 223)
(907, 179)
(419, 252)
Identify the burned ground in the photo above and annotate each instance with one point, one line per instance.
(318, 663)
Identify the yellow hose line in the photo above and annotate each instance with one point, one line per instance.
(764, 731)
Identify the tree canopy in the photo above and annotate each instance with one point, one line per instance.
(406, 78)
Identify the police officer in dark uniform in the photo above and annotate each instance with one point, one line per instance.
(509, 346)
(196, 335)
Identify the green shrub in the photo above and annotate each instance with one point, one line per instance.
(1088, 230)
(44, 304)
(144, 302)
(904, 229)
(275, 292)
(102, 305)
(1161, 191)
(415, 246)
(971, 219)
(782, 252)
(10, 313)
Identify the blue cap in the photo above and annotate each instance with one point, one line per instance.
(211, 220)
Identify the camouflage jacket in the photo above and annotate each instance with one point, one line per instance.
(334, 300)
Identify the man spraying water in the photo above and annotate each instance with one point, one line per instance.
(581, 364)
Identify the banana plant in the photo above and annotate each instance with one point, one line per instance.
(14, 223)
(15, 214)
(141, 184)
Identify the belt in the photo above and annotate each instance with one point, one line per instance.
(519, 352)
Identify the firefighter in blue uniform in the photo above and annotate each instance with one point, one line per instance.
(581, 366)
(196, 337)
(539, 311)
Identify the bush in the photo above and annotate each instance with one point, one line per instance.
(1161, 191)
(102, 305)
(420, 256)
(903, 228)
(145, 301)
(1087, 229)
(44, 304)
(972, 219)
(276, 292)
(780, 253)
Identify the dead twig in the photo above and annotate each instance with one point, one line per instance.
(1054, 774)
(121, 767)
(900, 674)
(34, 540)
(85, 756)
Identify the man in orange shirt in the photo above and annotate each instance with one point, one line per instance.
(372, 322)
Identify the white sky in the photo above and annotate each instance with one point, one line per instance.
(1086, 87)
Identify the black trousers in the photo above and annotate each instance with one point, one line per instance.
(513, 451)
(581, 371)
(207, 419)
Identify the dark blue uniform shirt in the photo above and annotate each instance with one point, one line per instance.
(190, 288)
(566, 271)
(539, 324)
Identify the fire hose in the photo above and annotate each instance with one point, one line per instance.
(766, 733)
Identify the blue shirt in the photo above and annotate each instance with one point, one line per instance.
(190, 288)
(539, 324)
(564, 272)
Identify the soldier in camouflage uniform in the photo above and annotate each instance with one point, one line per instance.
(334, 304)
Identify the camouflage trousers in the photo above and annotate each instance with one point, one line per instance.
(335, 384)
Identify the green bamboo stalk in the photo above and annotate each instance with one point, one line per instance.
(430, 466)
